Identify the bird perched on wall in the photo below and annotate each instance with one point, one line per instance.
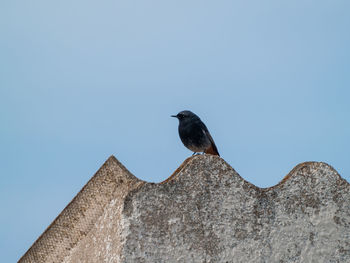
(194, 134)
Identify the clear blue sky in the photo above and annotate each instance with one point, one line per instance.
(82, 80)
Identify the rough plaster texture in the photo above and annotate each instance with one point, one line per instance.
(205, 212)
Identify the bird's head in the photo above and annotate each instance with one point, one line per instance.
(185, 115)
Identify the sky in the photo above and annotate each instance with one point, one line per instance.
(83, 80)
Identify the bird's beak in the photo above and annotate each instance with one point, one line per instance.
(175, 116)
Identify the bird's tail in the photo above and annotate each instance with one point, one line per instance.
(212, 150)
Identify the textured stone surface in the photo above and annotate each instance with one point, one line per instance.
(74, 225)
(205, 212)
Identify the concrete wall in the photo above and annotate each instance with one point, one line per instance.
(204, 213)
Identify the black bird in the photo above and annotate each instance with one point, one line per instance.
(194, 134)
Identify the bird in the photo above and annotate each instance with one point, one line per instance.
(194, 134)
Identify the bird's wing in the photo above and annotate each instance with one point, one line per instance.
(211, 150)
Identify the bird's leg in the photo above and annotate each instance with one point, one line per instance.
(194, 153)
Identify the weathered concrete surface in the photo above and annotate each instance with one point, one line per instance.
(74, 225)
(204, 213)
